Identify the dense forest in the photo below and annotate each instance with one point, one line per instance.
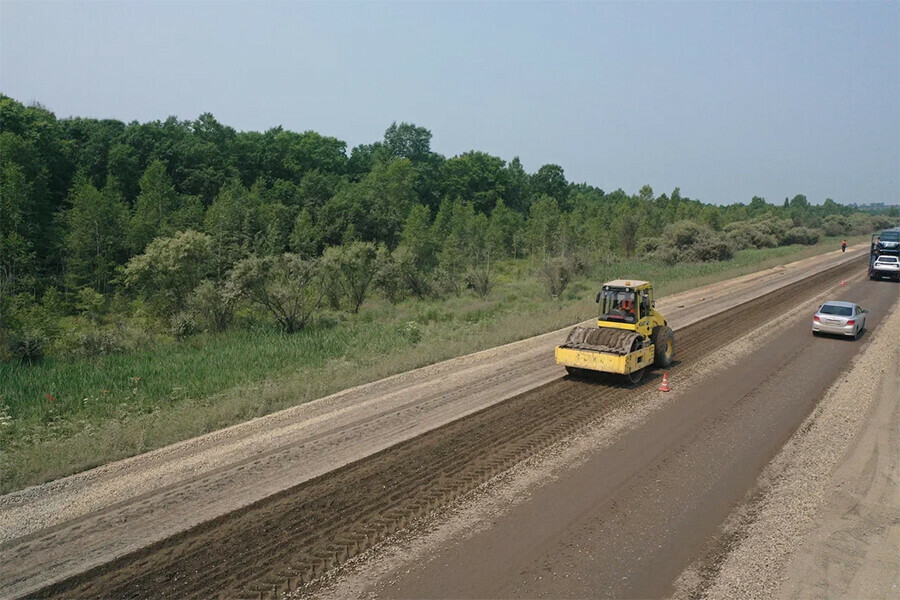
(179, 222)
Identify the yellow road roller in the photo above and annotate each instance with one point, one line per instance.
(630, 335)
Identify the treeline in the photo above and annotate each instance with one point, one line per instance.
(95, 214)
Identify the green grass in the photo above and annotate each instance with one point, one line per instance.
(65, 415)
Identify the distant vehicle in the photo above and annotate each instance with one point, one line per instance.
(840, 318)
(886, 243)
(886, 266)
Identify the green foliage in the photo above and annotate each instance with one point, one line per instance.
(801, 235)
(90, 304)
(687, 241)
(287, 286)
(352, 268)
(83, 201)
(212, 307)
(155, 208)
(556, 274)
(169, 269)
(94, 242)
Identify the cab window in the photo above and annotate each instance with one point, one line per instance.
(617, 305)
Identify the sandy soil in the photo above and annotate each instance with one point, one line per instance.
(826, 521)
(118, 508)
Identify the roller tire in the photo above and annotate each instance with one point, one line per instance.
(635, 376)
(664, 344)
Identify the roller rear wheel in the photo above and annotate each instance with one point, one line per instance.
(635, 376)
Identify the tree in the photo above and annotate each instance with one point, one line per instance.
(407, 141)
(550, 180)
(518, 191)
(352, 268)
(376, 207)
(93, 241)
(543, 223)
(287, 286)
(155, 207)
(417, 236)
(304, 238)
(628, 234)
(170, 269)
(475, 177)
(17, 256)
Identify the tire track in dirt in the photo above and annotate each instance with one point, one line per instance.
(296, 536)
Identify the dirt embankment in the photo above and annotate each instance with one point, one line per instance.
(826, 518)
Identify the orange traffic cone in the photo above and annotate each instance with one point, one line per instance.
(665, 384)
(843, 282)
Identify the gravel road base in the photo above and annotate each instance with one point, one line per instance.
(824, 520)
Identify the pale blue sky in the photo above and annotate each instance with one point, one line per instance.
(725, 100)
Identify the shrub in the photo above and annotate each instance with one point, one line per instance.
(97, 341)
(801, 235)
(27, 345)
(211, 306)
(687, 241)
(351, 269)
(170, 269)
(287, 286)
(184, 325)
(556, 273)
(90, 304)
(480, 278)
(750, 234)
(835, 225)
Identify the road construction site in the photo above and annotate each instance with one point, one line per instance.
(612, 490)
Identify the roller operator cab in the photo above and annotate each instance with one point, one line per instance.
(630, 334)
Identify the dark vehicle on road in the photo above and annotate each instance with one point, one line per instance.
(886, 243)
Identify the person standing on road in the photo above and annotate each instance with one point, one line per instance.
(843, 245)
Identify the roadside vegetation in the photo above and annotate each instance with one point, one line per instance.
(162, 280)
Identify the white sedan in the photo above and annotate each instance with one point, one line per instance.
(839, 318)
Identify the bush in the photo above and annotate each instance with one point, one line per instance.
(410, 330)
(287, 286)
(211, 307)
(687, 241)
(480, 279)
(27, 345)
(95, 341)
(184, 325)
(750, 234)
(801, 235)
(835, 225)
(556, 274)
(170, 269)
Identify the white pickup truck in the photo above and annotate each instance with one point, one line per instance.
(886, 266)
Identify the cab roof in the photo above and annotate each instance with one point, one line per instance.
(630, 283)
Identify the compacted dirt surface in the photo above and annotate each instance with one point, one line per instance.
(623, 514)
(280, 502)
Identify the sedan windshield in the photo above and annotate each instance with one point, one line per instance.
(831, 309)
(888, 259)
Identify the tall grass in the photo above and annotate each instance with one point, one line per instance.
(65, 415)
